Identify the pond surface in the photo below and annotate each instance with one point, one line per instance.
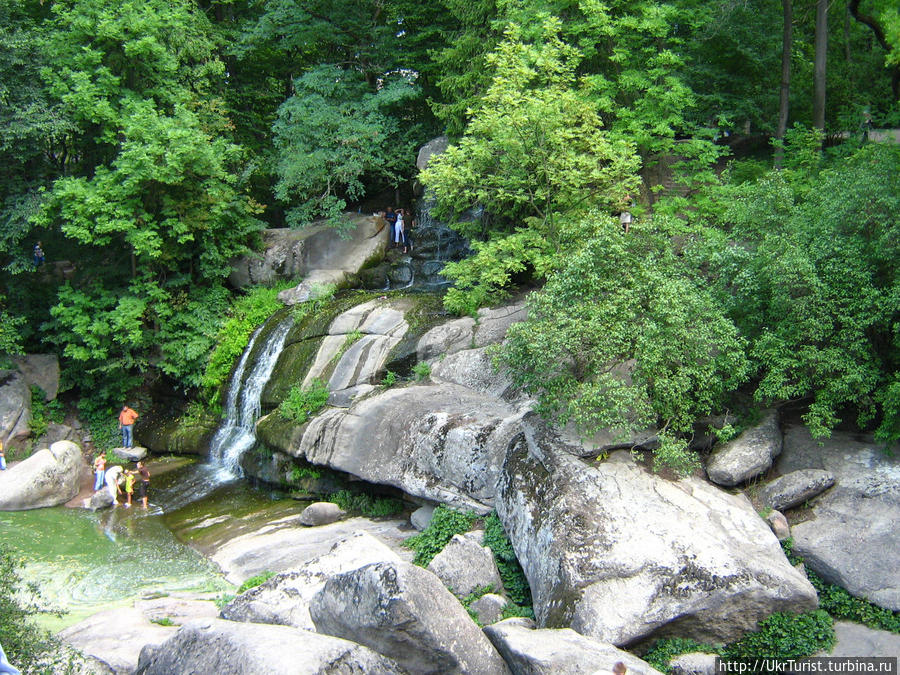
(85, 562)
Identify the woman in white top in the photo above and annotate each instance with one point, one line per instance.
(399, 235)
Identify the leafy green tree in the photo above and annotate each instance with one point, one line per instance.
(625, 336)
(152, 203)
(334, 133)
(534, 157)
(812, 283)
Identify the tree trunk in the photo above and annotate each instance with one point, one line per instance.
(787, 40)
(819, 63)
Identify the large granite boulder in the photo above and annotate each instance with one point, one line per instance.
(851, 539)
(625, 556)
(49, 477)
(284, 599)
(559, 652)
(433, 147)
(465, 566)
(230, 648)
(15, 406)
(405, 613)
(853, 639)
(41, 370)
(467, 333)
(377, 327)
(474, 368)
(748, 455)
(442, 443)
(292, 254)
(57, 432)
(286, 544)
(116, 636)
(795, 488)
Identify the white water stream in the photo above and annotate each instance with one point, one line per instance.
(242, 406)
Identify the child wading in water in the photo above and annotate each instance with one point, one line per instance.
(129, 486)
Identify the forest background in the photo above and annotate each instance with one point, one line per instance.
(147, 143)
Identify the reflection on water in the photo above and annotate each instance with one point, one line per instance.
(85, 562)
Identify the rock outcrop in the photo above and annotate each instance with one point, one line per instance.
(284, 599)
(317, 251)
(748, 455)
(230, 648)
(49, 477)
(41, 370)
(851, 540)
(622, 555)
(15, 406)
(465, 566)
(442, 443)
(285, 544)
(795, 488)
(466, 333)
(559, 651)
(405, 613)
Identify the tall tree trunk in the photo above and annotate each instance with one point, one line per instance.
(819, 63)
(787, 41)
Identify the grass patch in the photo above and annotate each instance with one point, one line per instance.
(255, 581)
(163, 621)
(303, 403)
(511, 573)
(359, 502)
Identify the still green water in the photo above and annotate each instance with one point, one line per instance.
(85, 562)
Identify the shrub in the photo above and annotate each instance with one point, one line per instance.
(444, 524)
(255, 581)
(785, 636)
(840, 604)
(26, 644)
(246, 313)
(366, 504)
(511, 572)
(422, 371)
(301, 404)
(389, 379)
(43, 412)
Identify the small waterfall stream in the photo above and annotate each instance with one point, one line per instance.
(242, 406)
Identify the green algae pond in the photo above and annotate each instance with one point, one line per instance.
(85, 562)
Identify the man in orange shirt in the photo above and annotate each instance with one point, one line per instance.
(126, 422)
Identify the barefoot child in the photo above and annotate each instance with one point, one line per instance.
(129, 487)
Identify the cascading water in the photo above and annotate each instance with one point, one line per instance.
(242, 406)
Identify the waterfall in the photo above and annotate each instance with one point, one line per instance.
(242, 406)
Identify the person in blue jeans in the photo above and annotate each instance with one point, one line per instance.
(99, 472)
(127, 418)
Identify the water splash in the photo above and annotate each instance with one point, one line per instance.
(242, 406)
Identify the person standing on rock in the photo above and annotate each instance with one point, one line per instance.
(127, 418)
(99, 471)
(391, 219)
(399, 235)
(144, 484)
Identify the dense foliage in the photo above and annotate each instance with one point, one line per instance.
(445, 522)
(146, 143)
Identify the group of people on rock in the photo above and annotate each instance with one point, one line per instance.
(115, 478)
(399, 226)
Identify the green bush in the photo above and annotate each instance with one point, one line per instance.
(663, 651)
(786, 636)
(511, 572)
(367, 505)
(246, 314)
(840, 604)
(422, 371)
(444, 524)
(298, 473)
(255, 581)
(26, 644)
(301, 404)
(389, 379)
(43, 412)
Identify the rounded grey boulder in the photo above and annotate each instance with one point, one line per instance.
(49, 477)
